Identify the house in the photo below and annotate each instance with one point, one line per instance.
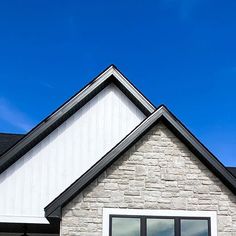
(109, 163)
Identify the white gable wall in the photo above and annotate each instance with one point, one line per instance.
(50, 167)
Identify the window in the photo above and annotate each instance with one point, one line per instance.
(130, 222)
(121, 225)
(159, 226)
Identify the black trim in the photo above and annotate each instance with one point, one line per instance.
(177, 226)
(110, 225)
(143, 222)
(161, 114)
(7, 140)
(31, 228)
(69, 108)
(232, 170)
(143, 226)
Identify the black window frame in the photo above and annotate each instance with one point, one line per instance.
(143, 222)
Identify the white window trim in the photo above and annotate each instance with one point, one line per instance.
(175, 213)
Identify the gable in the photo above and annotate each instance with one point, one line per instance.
(38, 133)
(53, 210)
(159, 172)
(65, 154)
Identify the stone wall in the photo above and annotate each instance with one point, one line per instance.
(159, 172)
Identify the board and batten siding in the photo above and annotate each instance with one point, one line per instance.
(51, 166)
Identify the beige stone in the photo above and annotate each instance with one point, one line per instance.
(159, 172)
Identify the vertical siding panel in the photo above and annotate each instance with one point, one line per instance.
(115, 115)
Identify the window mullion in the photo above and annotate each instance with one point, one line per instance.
(177, 227)
(143, 226)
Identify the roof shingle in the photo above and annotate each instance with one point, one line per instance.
(8, 140)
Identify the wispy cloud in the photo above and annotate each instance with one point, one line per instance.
(185, 8)
(14, 117)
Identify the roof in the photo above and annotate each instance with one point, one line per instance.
(109, 75)
(232, 170)
(8, 140)
(53, 210)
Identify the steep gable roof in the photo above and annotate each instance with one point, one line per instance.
(53, 210)
(109, 75)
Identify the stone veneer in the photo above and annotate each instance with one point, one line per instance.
(158, 172)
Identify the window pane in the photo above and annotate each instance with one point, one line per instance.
(194, 228)
(160, 227)
(125, 226)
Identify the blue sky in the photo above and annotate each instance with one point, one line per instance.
(181, 53)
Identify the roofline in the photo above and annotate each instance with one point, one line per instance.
(134, 91)
(54, 209)
(232, 170)
(50, 123)
(3, 133)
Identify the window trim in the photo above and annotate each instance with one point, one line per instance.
(111, 212)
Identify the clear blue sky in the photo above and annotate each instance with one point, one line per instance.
(181, 53)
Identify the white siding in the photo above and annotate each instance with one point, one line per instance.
(57, 161)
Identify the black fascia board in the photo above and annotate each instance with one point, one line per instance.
(54, 209)
(69, 108)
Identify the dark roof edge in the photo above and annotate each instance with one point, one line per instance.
(232, 170)
(7, 140)
(109, 75)
(53, 210)
(5, 133)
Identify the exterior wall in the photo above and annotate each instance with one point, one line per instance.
(50, 167)
(159, 172)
